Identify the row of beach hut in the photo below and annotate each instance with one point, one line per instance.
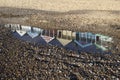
(81, 39)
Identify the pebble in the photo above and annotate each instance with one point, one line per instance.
(50, 66)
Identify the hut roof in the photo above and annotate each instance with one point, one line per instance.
(56, 42)
(20, 32)
(33, 34)
(64, 41)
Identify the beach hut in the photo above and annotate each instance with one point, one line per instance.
(82, 39)
(48, 35)
(103, 41)
(14, 27)
(62, 37)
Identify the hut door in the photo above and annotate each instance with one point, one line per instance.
(97, 38)
(51, 33)
(77, 36)
(32, 29)
(20, 27)
(60, 34)
(10, 26)
(55, 33)
(43, 33)
(47, 32)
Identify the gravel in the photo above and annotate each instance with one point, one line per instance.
(22, 60)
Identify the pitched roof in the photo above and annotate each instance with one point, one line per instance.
(20, 32)
(47, 38)
(56, 42)
(15, 34)
(71, 46)
(33, 34)
(39, 40)
(64, 41)
(26, 37)
(92, 49)
(82, 44)
(36, 40)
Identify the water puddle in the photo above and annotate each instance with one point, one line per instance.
(70, 40)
